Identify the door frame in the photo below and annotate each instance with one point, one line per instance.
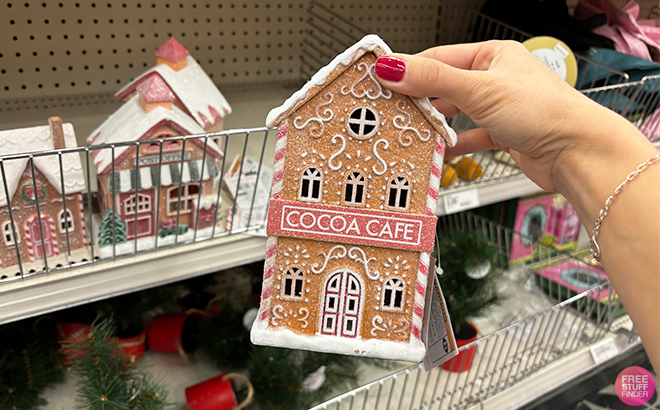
(345, 274)
(47, 223)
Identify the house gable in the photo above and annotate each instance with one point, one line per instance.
(131, 123)
(319, 135)
(368, 44)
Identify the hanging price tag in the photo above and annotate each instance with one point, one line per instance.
(437, 332)
(604, 350)
(460, 201)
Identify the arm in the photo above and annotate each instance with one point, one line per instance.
(562, 141)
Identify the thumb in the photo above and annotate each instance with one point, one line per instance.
(419, 76)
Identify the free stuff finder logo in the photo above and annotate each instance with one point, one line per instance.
(635, 386)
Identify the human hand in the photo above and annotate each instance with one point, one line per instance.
(521, 105)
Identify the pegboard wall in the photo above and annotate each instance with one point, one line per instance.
(63, 48)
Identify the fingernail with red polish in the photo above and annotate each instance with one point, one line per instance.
(390, 68)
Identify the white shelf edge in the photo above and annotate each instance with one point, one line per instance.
(493, 191)
(59, 290)
(47, 293)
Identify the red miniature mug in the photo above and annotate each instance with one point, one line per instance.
(174, 333)
(217, 393)
(69, 332)
(133, 347)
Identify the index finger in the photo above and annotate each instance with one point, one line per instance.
(471, 56)
(456, 55)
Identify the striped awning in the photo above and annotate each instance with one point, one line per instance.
(170, 174)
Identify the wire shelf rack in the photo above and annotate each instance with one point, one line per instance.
(466, 26)
(207, 209)
(509, 353)
(638, 101)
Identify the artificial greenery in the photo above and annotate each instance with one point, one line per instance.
(278, 374)
(182, 229)
(467, 297)
(224, 339)
(28, 364)
(113, 229)
(130, 311)
(108, 379)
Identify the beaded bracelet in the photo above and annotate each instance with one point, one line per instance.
(593, 245)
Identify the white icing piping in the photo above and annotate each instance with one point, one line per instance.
(404, 139)
(303, 319)
(378, 157)
(329, 256)
(327, 115)
(338, 153)
(363, 261)
(387, 94)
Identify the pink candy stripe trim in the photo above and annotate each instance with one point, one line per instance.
(418, 310)
(269, 272)
(415, 331)
(435, 170)
(267, 293)
(279, 155)
(420, 289)
(433, 193)
(423, 268)
(281, 132)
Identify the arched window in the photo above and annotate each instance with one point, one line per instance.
(65, 221)
(9, 235)
(310, 185)
(393, 294)
(399, 194)
(143, 204)
(293, 282)
(354, 189)
(362, 123)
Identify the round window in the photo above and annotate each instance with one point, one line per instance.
(363, 123)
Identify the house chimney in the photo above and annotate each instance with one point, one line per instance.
(154, 92)
(57, 132)
(173, 54)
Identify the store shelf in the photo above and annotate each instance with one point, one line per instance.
(560, 372)
(489, 192)
(47, 293)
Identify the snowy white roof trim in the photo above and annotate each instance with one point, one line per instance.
(193, 87)
(130, 123)
(39, 139)
(369, 43)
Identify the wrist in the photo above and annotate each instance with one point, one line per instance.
(603, 149)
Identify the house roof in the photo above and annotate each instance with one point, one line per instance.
(155, 90)
(202, 99)
(172, 50)
(39, 139)
(130, 123)
(323, 77)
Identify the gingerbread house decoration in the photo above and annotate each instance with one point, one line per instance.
(351, 220)
(174, 176)
(45, 196)
(195, 93)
